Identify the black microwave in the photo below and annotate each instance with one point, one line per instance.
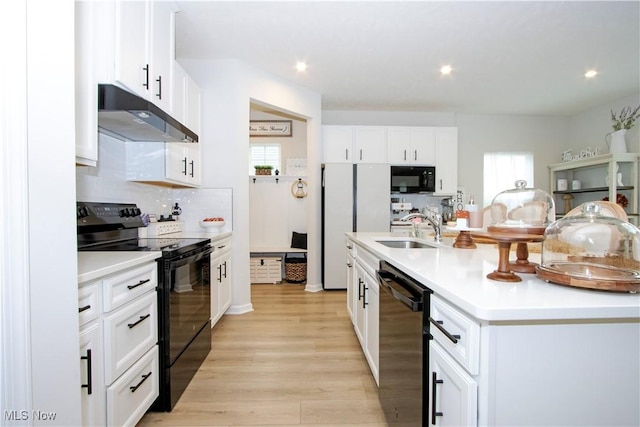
(413, 179)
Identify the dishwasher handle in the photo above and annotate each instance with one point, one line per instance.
(390, 286)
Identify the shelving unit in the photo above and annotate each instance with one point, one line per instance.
(598, 178)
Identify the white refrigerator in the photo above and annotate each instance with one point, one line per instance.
(355, 197)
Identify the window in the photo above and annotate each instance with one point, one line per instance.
(264, 154)
(502, 170)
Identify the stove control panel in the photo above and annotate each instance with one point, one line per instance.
(125, 215)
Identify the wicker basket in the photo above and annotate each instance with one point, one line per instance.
(295, 269)
(263, 171)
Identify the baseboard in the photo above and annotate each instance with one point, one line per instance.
(240, 309)
(313, 288)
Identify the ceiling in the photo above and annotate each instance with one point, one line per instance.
(510, 57)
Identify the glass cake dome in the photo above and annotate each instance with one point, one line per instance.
(522, 209)
(592, 250)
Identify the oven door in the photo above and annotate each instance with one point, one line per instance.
(188, 308)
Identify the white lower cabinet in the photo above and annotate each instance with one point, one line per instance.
(351, 281)
(129, 397)
(118, 316)
(453, 392)
(220, 278)
(366, 309)
(91, 375)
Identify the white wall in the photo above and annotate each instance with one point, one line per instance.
(588, 129)
(40, 342)
(293, 147)
(541, 135)
(228, 88)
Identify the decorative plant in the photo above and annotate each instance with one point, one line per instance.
(268, 167)
(626, 119)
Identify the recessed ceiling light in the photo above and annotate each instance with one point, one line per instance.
(446, 70)
(591, 74)
(301, 66)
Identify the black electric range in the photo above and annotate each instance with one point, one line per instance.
(183, 292)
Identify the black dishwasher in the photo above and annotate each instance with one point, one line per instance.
(404, 344)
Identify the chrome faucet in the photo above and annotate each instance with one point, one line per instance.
(435, 223)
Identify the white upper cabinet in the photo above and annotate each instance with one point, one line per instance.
(338, 144)
(86, 83)
(162, 47)
(354, 144)
(131, 54)
(173, 163)
(185, 99)
(370, 143)
(446, 161)
(183, 163)
(411, 145)
(144, 49)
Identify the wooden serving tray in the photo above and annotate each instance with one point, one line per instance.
(603, 277)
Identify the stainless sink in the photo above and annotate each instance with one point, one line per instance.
(405, 244)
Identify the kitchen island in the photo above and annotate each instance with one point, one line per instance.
(527, 353)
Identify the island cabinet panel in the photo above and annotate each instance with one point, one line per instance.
(581, 373)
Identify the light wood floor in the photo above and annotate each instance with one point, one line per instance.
(294, 360)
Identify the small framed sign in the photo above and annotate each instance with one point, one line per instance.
(270, 128)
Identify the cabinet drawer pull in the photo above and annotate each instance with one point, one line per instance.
(434, 382)
(144, 378)
(192, 168)
(184, 171)
(89, 384)
(349, 265)
(85, 308)
(137, 322)
(222, 246)
(346, 154)
(364, 296)
(361, 154)
(159, 94)
(220, 273)
(140, 283)
(146, 79)
(438, 324)
(225, 269)
(360, 293)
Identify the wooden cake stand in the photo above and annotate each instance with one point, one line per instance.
(464, 240)
(505, 271)
(522, 264)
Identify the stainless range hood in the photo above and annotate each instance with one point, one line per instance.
(126, 116)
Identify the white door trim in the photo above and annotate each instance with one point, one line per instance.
(15, 327)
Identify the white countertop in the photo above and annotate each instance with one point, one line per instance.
(459, 276)
(93, 265)
(213, 235)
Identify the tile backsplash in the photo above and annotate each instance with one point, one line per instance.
(107, 183)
